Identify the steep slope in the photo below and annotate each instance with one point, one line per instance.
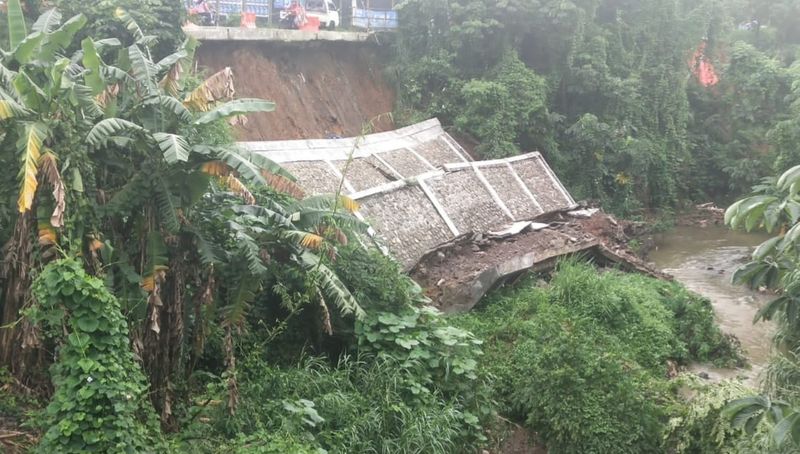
(318, 88)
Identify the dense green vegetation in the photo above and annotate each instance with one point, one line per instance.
(604, 89)
(583, 360)
(163, 290)
(774, 417)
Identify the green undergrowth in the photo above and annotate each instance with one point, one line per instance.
(583, 360)
(400, 380)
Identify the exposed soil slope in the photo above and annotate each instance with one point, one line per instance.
(319, 88)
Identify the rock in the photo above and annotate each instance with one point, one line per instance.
(439, 284)
(475, 248)
(704, 375)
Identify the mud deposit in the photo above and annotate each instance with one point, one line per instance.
(319, 89)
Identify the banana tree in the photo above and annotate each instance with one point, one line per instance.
(130, 148)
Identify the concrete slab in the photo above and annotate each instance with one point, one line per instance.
(272, 34)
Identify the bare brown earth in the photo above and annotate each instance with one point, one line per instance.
(445, 272)
(319, 88)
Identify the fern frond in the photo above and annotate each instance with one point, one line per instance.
(31, 146)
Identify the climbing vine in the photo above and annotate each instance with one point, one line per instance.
(100, 402)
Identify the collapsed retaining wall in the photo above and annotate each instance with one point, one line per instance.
(416, 186)
(459, 227)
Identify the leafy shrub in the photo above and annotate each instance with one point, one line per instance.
(699, 427)
(100, 401)
(436, 355)
(500, 108)
(582, 361)
(161, 19)
(357, 405)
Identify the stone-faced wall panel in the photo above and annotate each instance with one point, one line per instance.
(467, 201)
(437, 152)
(510, 192)
(407, 222)
(535, 176)
(365, 173)
(405, 162)
(316, 177)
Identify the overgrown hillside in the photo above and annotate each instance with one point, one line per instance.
(605, 89)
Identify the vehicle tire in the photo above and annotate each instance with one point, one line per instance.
(331, 25)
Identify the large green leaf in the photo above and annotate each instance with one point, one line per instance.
(173, 105)
(788, 425)
(47, 22)
(236, 107)
(789, 178)
(238, 160)
(130, 23)
(26, 50)
(92, 62)
(167, 62)
(144, 71)
(331, 286)
(62, 37)
(168, 206)
(101, 132)
(11, 109)
(16, 23)
(173, 146)
(33, 96)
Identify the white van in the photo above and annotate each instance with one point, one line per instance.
(325, 11)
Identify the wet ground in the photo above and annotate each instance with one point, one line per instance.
(704, 259)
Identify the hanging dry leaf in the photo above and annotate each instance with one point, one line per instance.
(283, 185)
(236, 186)
(49, 168)
(216, 88)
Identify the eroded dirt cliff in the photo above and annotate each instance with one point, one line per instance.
(319, 88)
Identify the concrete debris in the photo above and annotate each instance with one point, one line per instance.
(462, 276)
(585, 213)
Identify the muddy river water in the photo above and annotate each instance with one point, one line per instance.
(703, 259)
